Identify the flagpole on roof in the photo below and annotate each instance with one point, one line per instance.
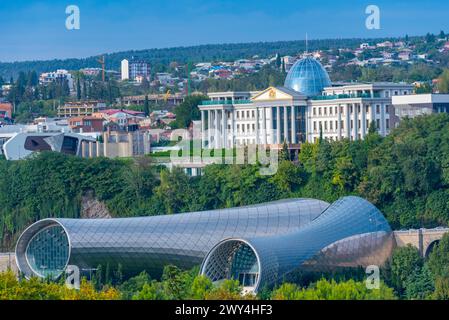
(307, 43)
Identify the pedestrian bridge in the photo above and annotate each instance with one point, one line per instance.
(423, 239)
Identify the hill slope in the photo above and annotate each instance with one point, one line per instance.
(160, 58)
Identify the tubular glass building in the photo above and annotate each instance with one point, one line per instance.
(150, 243)
(258, 245)
(349, 233)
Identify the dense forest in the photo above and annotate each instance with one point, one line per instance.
(160, 59)
(405, 174)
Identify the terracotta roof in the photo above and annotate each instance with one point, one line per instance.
(110, 112)
(84, 118)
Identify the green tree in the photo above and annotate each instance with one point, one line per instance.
(78, 89)
(146, 106)
(227, 290)
(443, 82)
(420, 285)
(285, 152)
(188, 111)
(405, 262)
(289, 177)
(441, 288)
(176, 283)
(200, 287)
(438, 261)
(134, 285)
(151, 291)
(332, 290)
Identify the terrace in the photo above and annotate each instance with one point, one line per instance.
(224, 102)
(347, 96)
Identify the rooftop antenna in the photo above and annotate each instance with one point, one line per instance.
(307, 43)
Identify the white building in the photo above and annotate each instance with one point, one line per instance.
(135, 70)
(58, 75)
(125, 69)
(420, 104)
(21, 145)
(348, 111)
(307, 107)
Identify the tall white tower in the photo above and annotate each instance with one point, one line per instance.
(125, 69)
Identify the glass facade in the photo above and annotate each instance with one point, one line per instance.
(48, 252)
(150, 243)
(308, 77)
(350, 233)
(259, 245)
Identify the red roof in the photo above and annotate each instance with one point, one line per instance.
(110, 112)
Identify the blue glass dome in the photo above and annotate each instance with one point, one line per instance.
(308, 77)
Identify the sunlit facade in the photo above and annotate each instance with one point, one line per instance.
(349, 233)
(306, 108)
(150, 243)
(258, 245)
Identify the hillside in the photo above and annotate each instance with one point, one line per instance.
(160, 58)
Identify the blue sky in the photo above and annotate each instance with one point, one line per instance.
(34, 30)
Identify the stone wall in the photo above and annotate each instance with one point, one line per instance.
(7, 260)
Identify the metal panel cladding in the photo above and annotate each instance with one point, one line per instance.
(276, 256)
(150, 243)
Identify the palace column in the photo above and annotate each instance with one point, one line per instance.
(356, 120)
(339, 128)
(216, 138)
(209, 126)
(293, 125)
(257, 126)
(224, 121)
(347, 122)
(232, 128)
(363, 121)
(286, 137)
(278, 125)
(264, 125)
(382, 120)
(373, 116)
(203, 129)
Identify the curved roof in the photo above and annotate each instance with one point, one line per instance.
(275, 256)
(150, 243)
(308, 77)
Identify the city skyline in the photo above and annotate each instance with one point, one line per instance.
(36, 31)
